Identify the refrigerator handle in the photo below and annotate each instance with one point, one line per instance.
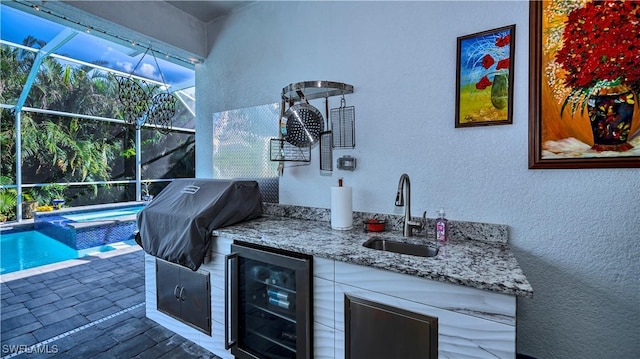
(227, 292)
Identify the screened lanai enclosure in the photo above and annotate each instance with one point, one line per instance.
(86, 120)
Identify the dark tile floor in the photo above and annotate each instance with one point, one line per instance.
(88, 308)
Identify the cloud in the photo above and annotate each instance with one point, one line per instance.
(143, 70)
(124, 66)
(147, 70)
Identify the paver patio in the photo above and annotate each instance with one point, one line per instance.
(85, 308)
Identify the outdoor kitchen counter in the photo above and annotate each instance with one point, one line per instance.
(472, 263)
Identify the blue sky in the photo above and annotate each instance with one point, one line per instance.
(473, 49)
(16, 25)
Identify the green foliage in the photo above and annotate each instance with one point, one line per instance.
(8, 199)
(8, 202)
(7, 150)
(62, 149)
(59, 149)
(129, 152)
(45, 194)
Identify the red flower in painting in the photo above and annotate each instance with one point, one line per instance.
(489, 57)
(487, 61)
(601, 46)
(503, 64)
(483, 83)
(503, 41)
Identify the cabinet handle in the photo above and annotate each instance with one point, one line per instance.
(175, 292)
(181, 296)
(228, 344)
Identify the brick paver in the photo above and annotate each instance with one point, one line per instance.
(89, 309)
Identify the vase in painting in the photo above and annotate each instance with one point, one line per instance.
(610, 114)
(500, 91)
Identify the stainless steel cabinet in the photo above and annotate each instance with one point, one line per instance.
(184, 294)
(375, 330)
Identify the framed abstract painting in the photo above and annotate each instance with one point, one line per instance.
(484, 77)
(584, 81)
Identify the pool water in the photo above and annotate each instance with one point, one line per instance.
(29, 249)
(103, 214)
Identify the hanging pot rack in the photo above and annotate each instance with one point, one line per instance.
(281, 150)
(315, 89)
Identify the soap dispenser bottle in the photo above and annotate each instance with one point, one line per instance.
(442, 228)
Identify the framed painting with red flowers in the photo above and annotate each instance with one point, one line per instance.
(484, 78)
(584, 82)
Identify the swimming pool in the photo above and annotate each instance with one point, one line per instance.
(30, 249)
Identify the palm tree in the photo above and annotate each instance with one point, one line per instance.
(69, 149)
(55, 148)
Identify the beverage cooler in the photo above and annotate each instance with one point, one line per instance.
(268, 303)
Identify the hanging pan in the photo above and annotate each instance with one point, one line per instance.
(326, 141)
(303, 124)
(343, 121)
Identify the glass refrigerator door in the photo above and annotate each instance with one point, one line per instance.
(267, 309)
(271, 303)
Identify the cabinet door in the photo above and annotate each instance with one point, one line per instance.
(458, 333)
(374, 330)
(168, 288)
(195, 299)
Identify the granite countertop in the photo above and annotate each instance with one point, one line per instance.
(473, 263)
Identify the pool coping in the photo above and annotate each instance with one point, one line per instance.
(101, 222)
(103, 206)
(29, 223)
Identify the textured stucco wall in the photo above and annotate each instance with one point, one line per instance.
(576, 233)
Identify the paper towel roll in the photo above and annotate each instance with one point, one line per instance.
(341, 208)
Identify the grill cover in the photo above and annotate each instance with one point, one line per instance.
(176, 226)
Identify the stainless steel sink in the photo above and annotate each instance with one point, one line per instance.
(399, 247)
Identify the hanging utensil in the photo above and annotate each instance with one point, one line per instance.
(281, 151)
(303, 124)
(343, 125)
(280, 148)
(326, 141)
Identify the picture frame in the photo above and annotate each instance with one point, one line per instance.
(583, 107)
(484, 78)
